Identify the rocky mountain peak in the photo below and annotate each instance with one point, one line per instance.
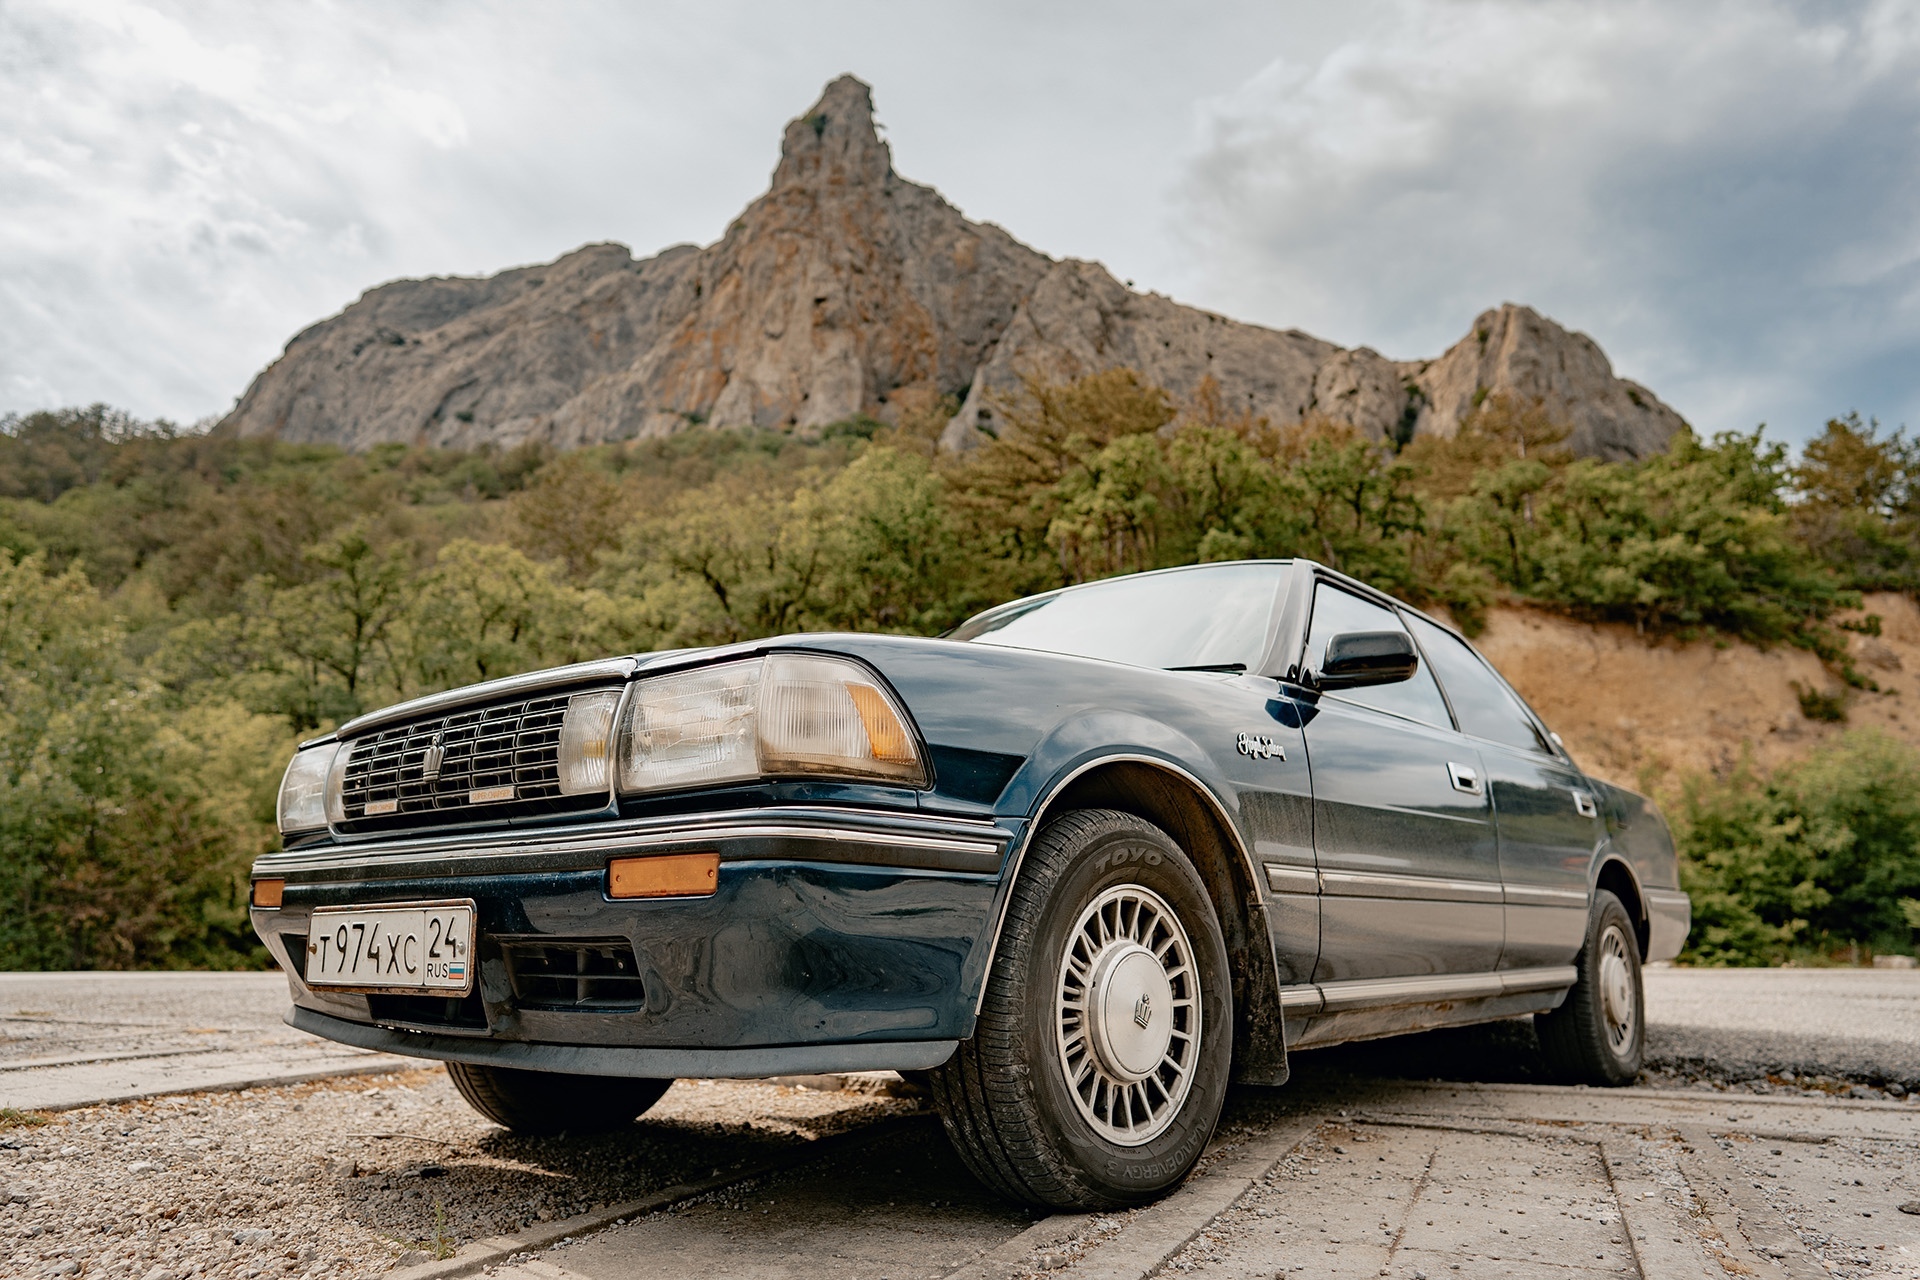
(835, 141)
(846, 290)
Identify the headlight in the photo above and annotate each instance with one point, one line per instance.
(303, 791)
(786, 715)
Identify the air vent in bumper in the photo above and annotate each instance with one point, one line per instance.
(574, 974)
(433, 1013)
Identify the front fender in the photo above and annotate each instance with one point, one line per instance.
(1085, 740)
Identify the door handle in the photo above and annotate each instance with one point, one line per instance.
(1464, 778)
(1584, 803)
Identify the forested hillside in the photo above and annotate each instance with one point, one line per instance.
(177, 610)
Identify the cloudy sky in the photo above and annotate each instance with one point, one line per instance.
(1726, 196)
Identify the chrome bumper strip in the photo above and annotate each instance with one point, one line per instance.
(1386, 993)
(977, 846)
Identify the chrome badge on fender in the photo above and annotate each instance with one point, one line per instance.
(1259, 746)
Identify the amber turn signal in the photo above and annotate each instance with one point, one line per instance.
(668, 875)
(268, 893)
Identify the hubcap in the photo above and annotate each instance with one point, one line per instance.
(1618, 1000)
(1127, 1014)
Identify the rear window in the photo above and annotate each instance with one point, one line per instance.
(1209, 616)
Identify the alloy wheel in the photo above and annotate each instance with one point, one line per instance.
(1128, 1014)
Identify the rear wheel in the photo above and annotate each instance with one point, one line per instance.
(537, 1103)
(1100, 1062)
(1599, 1035)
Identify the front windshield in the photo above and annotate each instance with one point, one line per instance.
(1211, 617)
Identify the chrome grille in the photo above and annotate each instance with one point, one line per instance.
(480, 762)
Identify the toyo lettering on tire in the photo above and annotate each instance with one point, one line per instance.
(1100, 1062)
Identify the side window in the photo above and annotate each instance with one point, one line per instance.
(1480, 699)
(1336, 612)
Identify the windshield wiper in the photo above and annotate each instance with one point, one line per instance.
(1232, 668)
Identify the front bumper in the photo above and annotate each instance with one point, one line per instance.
(835, 939)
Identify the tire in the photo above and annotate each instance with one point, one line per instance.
(540, 1103)
(1093, 883)
(1599, 1035)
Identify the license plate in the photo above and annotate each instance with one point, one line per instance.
(416, 946)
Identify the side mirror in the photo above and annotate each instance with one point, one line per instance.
(1359, 659)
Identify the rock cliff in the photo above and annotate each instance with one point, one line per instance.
(840, 289)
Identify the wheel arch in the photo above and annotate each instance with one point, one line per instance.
(1189, 811)
(1615, 875)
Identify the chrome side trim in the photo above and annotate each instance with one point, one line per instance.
(1020, 854)
(1668, 898)
(1371, 884)
(1282, 879)
(1298, 855)
(1374, 993)
(532, 682)
(1387, 993)
(1517, 980)
(1527, 895)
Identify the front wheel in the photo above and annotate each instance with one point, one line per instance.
(1100, 1062)
(538, 1103)
(1599, 1035)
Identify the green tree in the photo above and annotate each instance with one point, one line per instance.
(122, 848)
(1816, 857)
(1859, 504)
(572, 513)
(329, 635)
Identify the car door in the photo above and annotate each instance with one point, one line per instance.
(1547, 818)
(1403, 833)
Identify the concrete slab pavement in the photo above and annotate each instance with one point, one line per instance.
(72, 1039)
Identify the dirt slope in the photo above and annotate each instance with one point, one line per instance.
(1641, 715)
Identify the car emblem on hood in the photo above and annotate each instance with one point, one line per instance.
(436, 752)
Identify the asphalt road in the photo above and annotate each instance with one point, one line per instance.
(1861, 1024)
(1772, 1137)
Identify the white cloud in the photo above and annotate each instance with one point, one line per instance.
(189, 182)
(1722, 194)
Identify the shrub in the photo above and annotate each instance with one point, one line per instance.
(1813, 859)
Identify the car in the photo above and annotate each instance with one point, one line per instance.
(1078, 865)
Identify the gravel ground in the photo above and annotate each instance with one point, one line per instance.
(1837, 1195)
(345, 1177)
